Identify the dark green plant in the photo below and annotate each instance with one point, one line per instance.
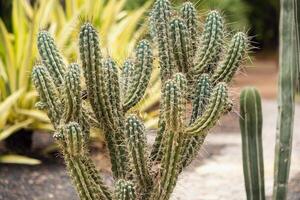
(251, 129)
(187, 60)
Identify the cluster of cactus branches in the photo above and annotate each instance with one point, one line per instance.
(195, 70)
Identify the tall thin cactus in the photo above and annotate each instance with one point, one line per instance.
(193, 71)
(286, 98)
(251, 129)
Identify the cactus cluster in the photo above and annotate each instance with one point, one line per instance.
(195, 70)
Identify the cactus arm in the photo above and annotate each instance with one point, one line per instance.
(181, 43)
(160, 19)
(72, 94)
(104, 95)
(200, 99)
(88, 183)
(232, 60)
(251, 129)
(49, 95)
(189, 14)
(124, 190)
(126, 75)
(51, 57)
(173, 100)
(140, 76)
(213, 112)
(156, 153)
(156, 150)
(135, 131)
(286, 100)
(212, 38)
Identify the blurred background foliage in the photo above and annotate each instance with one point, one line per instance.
(261, 18)
(120, 23)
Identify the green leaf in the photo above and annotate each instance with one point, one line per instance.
(9, 101)
(18, 159)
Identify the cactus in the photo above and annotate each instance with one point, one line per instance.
(288, 78)
(251, 129)
(187, 60)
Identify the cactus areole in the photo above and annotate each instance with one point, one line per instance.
(195, 69)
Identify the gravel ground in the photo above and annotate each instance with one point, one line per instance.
(216, 174)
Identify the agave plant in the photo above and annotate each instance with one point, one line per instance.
(18, 50)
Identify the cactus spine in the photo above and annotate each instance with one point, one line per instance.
(139, 174)
(251, 129)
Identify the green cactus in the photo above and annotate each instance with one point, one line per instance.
(124, 190)
(185, 63)
(287, 87)
(251, 129)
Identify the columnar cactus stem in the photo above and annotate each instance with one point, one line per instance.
(103, 89)
(189, 14)
(127, 74)
(286, 99)
(251, 129)
(232, 61)
(140, 75)
(124, 190)
(181, 44)
(73, 144)
(72, 94)
(212, 40)
(135, 131)
(215, 107)
(160, 18)
(202, 94)
(51, 57)
(173, 116)
(49, 96)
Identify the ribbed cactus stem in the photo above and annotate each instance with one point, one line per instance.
(72, 94)
(251, 129)
(126, 75)
(202, 93)
(104, 95)
(51, 57)
(49, 95)
(189, 14)
(124, 190)
(173, 100)
(181, 43)
(160, 19)
(287, 82)
(135, 131)
(234, 57)
(84, 175)
(140, 76)
(213, 112)
(211, 43)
